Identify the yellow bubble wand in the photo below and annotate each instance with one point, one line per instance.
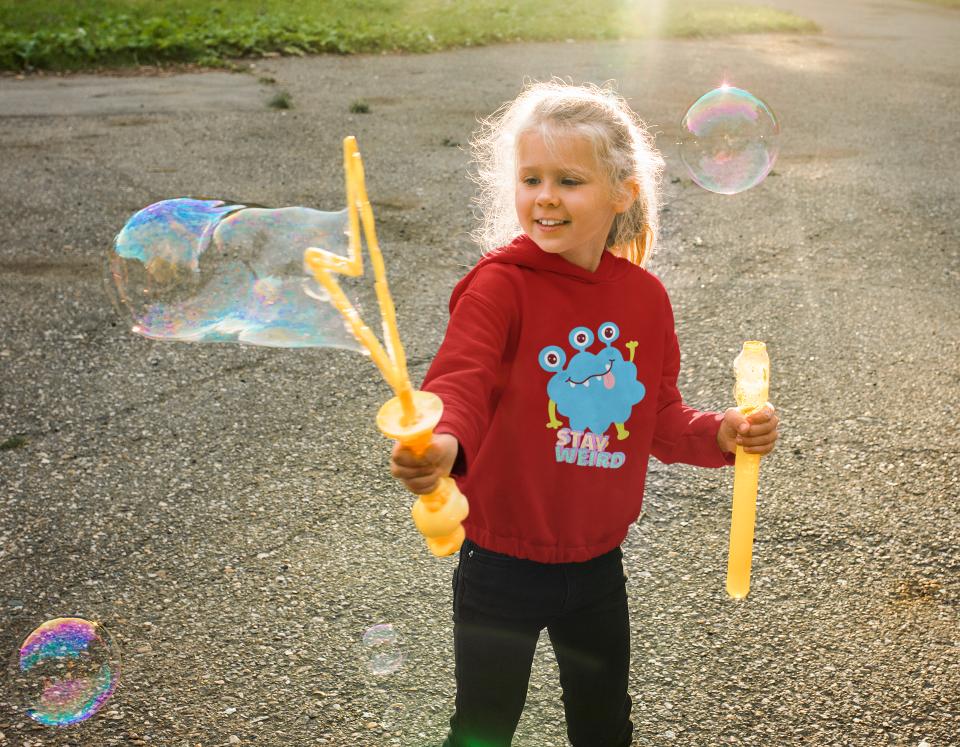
(752, 367)
(411, 415)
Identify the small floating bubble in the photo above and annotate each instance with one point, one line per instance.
(382, 654)
(66, 670)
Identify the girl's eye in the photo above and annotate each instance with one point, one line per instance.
(570, 182)
(531, 180)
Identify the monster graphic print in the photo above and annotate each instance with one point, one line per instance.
(593, 391)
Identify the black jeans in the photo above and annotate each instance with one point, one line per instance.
(500, 605)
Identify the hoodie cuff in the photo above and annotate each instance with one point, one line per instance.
(459, 468)
(727, 457)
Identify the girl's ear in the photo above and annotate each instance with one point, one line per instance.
(626, 195)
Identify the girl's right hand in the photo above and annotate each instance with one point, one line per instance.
(421, 473)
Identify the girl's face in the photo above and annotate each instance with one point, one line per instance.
(565, 202)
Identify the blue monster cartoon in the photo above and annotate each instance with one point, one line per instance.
(595, 389)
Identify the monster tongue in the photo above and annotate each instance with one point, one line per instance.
(608, 380)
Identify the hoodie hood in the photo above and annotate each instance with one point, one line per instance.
(524, 252)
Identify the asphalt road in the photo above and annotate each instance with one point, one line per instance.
(226, 511)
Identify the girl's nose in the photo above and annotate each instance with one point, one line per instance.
(546, 195)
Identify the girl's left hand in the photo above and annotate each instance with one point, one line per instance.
(756, 432)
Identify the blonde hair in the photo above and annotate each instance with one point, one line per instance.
(622, 146)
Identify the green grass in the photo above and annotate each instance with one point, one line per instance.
(14, 442)
(83, 34)
(281, 100)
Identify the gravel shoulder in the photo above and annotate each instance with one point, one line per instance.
(226, 512)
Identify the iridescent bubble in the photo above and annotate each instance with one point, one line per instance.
(394, 717)
(382, 654)
(729, 140)
(66, 670)
(209, 271)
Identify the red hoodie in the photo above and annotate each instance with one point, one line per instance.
(558, 384)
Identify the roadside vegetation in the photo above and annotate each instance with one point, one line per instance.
(85, 34)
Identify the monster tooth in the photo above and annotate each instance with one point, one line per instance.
(587, 382)
(572, 385)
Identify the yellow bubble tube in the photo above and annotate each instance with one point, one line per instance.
(752, 367)
(411, 415)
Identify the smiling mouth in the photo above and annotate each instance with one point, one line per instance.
(549, 223)
(606, 377)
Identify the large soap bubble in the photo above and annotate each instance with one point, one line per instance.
(729, 140)
(66, 670)
(209, 271)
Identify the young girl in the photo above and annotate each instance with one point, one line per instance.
(558, 375)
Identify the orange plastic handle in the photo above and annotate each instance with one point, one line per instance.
(438, 515)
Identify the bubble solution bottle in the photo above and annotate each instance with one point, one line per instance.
(752, 368)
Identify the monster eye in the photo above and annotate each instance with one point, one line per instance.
(608, 332)
(581, 338)
(552, 358)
